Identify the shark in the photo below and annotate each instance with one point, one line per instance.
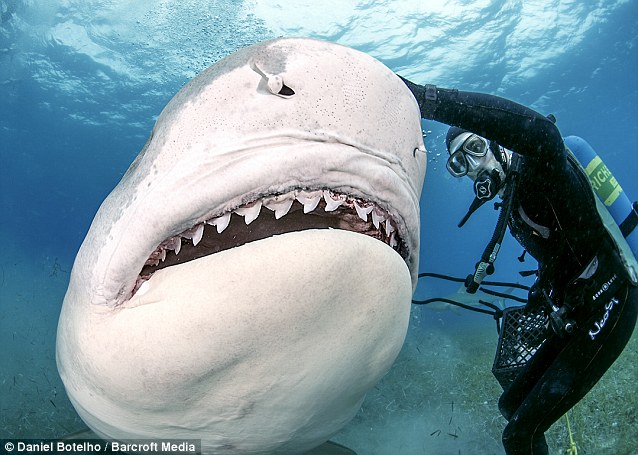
(249, 279)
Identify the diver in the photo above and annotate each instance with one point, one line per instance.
(585, 282)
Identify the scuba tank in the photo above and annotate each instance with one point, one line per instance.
(607, 189)
(611, 200)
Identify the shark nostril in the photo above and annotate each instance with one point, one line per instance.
(286, 91)
(274, 82)
(276, 86)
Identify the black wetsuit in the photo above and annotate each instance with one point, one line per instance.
(554, 217)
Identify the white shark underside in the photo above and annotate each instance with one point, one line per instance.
(249, 279)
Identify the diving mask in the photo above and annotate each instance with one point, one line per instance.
(467, 146)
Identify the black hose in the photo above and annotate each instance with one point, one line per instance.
(503, 295)
(453, 302)
(485, 265)
(462, 280)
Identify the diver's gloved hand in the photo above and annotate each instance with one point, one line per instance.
(426, 97)
(536, 299)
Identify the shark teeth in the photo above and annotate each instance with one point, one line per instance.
(250, 212)
(279, 204)
(333, 201)
(393, 240)
(176, 244)
(375, 221)
(389, 228)
(363, 211)
(378, 217)
(309, 200)
(195, 233)
(221, 223)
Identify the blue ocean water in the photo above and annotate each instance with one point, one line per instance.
(82, 82)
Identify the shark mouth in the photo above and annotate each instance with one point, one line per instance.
(262, 218)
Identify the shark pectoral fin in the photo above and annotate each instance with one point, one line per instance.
(331, 448)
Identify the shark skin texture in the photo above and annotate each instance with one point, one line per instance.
(249, 279)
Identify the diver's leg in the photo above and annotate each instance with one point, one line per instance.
(520, 388)
(517, 402)
(574, 372)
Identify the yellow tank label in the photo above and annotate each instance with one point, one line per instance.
(605, 184)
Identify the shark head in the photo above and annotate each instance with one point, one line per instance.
(249, 278)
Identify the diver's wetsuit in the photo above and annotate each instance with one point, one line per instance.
(554, 217)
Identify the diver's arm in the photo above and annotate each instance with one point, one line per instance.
(510, 124)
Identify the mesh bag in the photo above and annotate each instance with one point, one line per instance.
(522, 333)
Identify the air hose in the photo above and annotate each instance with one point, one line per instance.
(486, 265)
(496, 312)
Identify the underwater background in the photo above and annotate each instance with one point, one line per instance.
(82, 82)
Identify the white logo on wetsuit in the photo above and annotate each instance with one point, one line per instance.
(605, 287)
(598, 325)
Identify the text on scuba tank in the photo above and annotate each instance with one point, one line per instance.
(603, 182)
(600, 176)
(598, 325)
